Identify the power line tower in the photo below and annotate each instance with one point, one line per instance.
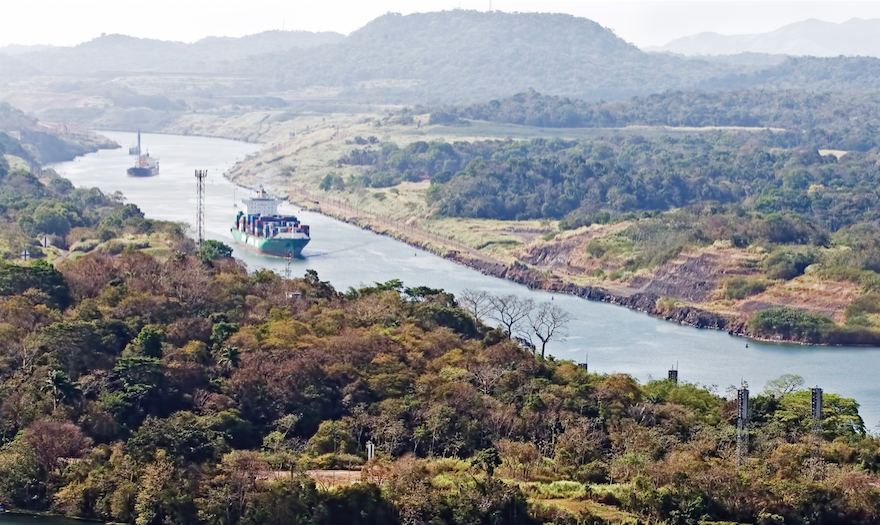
(816, 413)
(742, 421)
(288, 258)
(201, 175)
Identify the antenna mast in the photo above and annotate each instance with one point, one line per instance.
(201, 175)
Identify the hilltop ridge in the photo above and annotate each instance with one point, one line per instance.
(855, 37)
(468, 55)
(116, 52)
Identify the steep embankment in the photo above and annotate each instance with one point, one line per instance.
(45, 142)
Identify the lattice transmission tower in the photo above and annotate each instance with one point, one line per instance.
(742, 425)
(816, 414)
(201, 175)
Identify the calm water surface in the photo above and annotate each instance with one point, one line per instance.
(10, 518)
(616, 339)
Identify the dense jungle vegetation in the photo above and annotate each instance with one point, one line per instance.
(173, 387)
(829, 120)
(766, 172)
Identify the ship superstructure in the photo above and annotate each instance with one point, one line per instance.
(262, 229)
(136, 150)
(145, 165)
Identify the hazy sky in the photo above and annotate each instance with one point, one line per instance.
(644, 23)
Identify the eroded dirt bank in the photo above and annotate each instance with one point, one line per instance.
(643, 301)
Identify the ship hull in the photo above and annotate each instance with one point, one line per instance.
(276, 247)
(142, 172)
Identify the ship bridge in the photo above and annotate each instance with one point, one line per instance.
(262, 205)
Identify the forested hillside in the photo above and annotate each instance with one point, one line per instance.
(469, 55)
(466, 56)
(810, 73)
(831, 120)
(24, 136)
(761, 172)
(143, 381)
(455, 56)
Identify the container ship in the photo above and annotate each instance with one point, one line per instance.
(145, 166)
(261, 229)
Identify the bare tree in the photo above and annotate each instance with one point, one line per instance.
(510, 311)
(476, 302)
(548, 323)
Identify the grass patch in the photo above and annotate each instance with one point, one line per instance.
(481, 234)
(742, 287)
(586, 508)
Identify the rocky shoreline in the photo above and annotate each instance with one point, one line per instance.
(643, 302)
(522, 274)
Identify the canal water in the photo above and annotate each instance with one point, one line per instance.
(10, 518)
(611, 338)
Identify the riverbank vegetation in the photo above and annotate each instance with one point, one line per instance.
(145, 404)
(173, 386)
(783, 202)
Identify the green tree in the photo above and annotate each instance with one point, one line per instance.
(60, 387)
(212, 250)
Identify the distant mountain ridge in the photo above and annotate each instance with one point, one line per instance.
(855, 37)
(126, 53)
(456, 56)
(17, 49)
(12, 69)
(472, 55)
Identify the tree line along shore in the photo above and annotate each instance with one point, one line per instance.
(146, 380)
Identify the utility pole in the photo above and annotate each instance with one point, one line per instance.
(201, 175)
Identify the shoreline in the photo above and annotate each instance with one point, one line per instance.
(520, 273)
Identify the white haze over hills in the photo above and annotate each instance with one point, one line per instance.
(855, 37)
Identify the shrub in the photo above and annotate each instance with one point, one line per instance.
(563, 490)
(742, 287)
(792, 324)
(84, 246)
(787, 264)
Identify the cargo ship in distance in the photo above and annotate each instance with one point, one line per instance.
(145, 166)
(263, 230)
